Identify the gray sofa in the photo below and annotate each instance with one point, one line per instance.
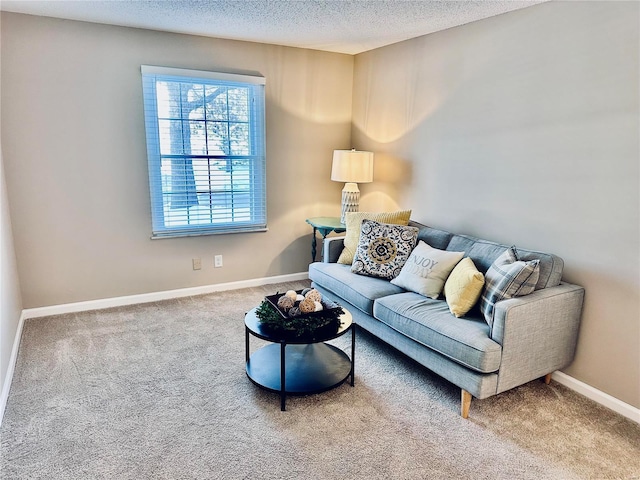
(532, 336)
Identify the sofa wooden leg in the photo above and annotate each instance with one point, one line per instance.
(465, 404)
(547, 378)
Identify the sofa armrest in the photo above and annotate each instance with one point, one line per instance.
(538, 333)
(331, 249)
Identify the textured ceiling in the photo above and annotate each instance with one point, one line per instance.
(345, 26)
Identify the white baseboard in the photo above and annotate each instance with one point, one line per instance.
(598, 396)
(157, 296)
(4, 396)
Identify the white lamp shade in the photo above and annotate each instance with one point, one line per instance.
(352, 166)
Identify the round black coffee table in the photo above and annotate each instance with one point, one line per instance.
(298, 366)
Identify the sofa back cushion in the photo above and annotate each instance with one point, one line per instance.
(436, 238)
(484, 252)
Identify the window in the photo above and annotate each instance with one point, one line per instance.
(206, 151)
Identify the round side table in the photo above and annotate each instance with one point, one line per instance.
(299, 366)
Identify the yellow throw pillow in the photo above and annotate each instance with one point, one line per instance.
(463, 287)
(353, 222)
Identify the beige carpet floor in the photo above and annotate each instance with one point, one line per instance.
(159, 391)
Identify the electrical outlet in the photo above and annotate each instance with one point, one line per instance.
(217, 261)
(197, 263)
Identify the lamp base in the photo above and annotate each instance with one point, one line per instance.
(350, 199)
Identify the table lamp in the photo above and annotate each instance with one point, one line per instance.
(351, 167)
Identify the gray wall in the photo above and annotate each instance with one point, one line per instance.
(10, 300)
(75, 158)
(10, 297)
(524, 128)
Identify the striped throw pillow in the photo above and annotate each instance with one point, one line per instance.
(507, 277)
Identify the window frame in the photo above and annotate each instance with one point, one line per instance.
(256, 157)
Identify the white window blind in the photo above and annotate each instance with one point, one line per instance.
(206, 151)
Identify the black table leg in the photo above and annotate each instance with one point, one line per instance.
(246, 343)
(314, 244)
(282, 377)
(353, 354)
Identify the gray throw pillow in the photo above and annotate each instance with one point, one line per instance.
(383, 249)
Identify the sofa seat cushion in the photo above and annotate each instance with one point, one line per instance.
(429, 322)
(358, 290)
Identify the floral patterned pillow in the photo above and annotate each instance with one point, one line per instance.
(383, 249)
